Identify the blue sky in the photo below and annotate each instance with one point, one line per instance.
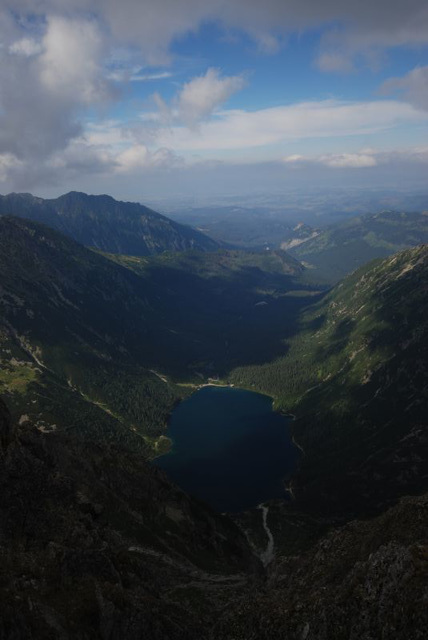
(141, 98)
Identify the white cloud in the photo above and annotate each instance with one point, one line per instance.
(238, 129)
(358, 26)
(295, 157)
(54, 65)
(46, 79)
(196, 101)
(146, 77)
(134, 73)
(330, 61)
(138, 157)
(71, 62)
(77, 159)
(201, 96)
(413, 86)
(365, 158)
(26, 47)
(362, 26)
(8, 163)
(349, 160)
(414, 156)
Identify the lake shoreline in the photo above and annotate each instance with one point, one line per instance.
(231, 448)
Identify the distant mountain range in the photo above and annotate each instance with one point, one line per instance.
(129, 228)
(341, 248)
(107, 224)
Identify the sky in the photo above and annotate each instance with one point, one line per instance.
(146, 99)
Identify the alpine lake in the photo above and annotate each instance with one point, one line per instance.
(229, 448)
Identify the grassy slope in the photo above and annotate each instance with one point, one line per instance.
(356, 376)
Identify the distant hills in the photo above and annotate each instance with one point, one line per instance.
(107, 224)
(341, 248)
(129, 228)
(251, 227)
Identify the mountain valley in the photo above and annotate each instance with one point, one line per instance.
(99, 343)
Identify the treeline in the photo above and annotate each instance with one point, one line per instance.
(286, 379)
(133, 395)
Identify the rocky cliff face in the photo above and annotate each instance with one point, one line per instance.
(94, 543)
(364, 581)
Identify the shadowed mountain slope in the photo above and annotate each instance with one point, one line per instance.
(95, 543)
(366, 580)
(106, 335)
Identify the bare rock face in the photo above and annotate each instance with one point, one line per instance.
(363, 581)
(96, 543)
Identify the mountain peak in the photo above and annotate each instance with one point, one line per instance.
(81, 195)
(109, 225)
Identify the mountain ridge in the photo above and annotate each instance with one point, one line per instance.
(341, 248)
(106, 223)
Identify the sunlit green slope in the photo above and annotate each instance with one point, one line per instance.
(356, 376)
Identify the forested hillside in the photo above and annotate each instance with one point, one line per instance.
(90, 343)
(356, 377)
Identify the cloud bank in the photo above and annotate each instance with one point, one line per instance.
(58, 76)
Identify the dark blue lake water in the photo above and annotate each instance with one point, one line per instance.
(229, 448)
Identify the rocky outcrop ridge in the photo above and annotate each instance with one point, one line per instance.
(95, 543)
